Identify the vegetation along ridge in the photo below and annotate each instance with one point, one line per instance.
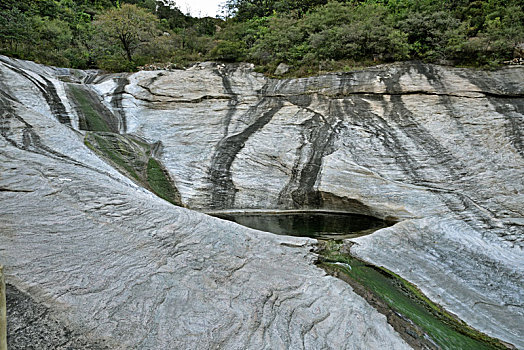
(308, 36)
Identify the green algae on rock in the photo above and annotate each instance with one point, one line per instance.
(444, 329)
(93, 115)
(161, 183)
(134, 158)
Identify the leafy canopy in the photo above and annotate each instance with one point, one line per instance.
(126, 29)
(309, 35)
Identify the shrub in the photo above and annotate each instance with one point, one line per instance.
(229, 51)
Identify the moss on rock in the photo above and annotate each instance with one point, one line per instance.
(160, 182)
(133, 158)
(444, 329)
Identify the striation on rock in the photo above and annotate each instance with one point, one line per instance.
(95, 261)
(439, 149)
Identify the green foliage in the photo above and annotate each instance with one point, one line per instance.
(335, 31)
(173, 17)
(429, 33)
(310, 35)
(229, 51)
(361, 35)
(247, 32)
(495, 39)
(149, 5)
(52, 36)
(283, 40)
(124, 31)
(248, 9)
(13, 29)
(47, 31)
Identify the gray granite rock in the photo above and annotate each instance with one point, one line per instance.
(439, 149)
(407, 141)
(94, 261)
(281, 69)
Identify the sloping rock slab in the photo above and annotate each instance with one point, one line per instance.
(104, 263)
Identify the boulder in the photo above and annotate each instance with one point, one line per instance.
(282, 69)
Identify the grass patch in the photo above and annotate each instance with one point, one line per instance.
(160, 183)
(111, 148)
(445, 329)
(132, 157)
(90, 119)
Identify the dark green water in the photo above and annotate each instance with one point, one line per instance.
(308, 224)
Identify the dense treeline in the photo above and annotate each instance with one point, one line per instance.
(309, 35)
(339, 34)
(109, 34)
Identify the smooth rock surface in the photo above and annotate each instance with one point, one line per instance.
(438, 148)
(95, 261)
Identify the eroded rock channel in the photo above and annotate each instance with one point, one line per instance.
(91, 165)
(421, 323)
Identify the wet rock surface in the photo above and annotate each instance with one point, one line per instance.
(438, 148)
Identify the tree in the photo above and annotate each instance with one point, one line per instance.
(13, 29)
(128, 27)
(248, 9)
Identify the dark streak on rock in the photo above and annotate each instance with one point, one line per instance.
(431, 93)
(467, 94)
(505, 104)
(4, 89)
(90, 78)
(513, 112)
(357, 111)
(233, 101)
(97, 106)
(403, 117)
(195, 100)
(31, 141)
(49, 92)
(55, 103)
(438, 156)
(461, 205)
(3, 189)
(319, 134)
(227, 86)
(223, 189)
(116, 101)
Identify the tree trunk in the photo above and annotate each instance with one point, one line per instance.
(125, 44)
(128, 53)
